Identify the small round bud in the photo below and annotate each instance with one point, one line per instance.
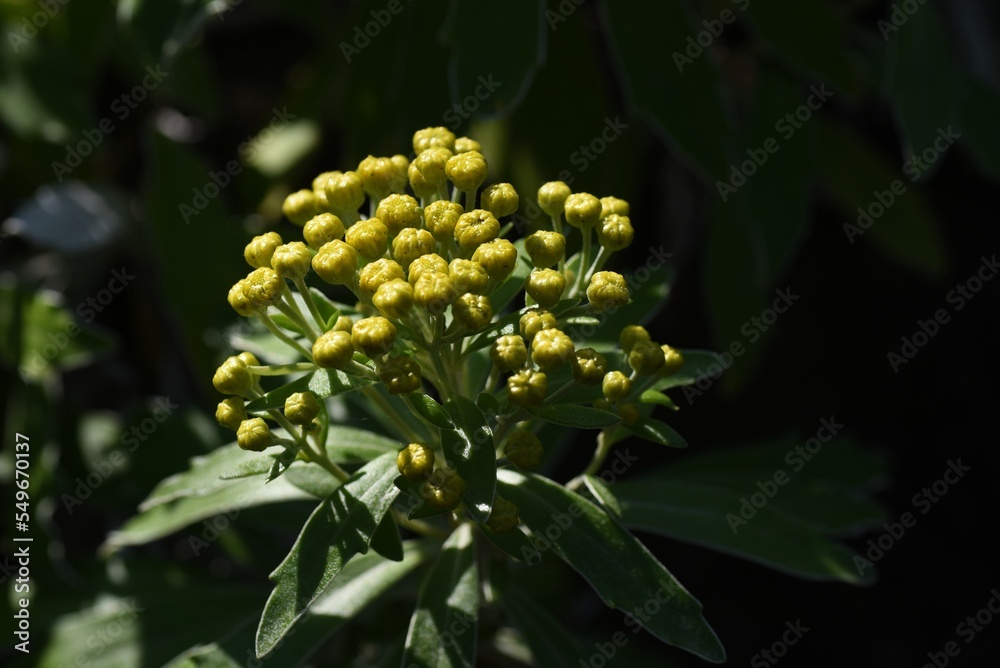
(333, 349)
(369, 237)
(523, 449)
(401, 375)
(616, 386)
(583, 210)
(468, 276)
(231, 412)
(260, 249)
(394, 298)
(467, 170)
(427, 172)
(373, 336)
(319, 191)
(615, 232)
(401, 165)
(292, 260)
(545, 248)
(343, 324)
(374, 274)
(301, 408)
(631, 335)
(545, 286)
(441, 218)
(254, 435)
(607, 290)
(474, 312)
(466, 144)
(500, 199)
(672, 360)
(552, 197)
(503, 518)
(589, 366)
(263, 287)
(323, 229)
(610, 205)
(443, 490)
(239, 301)
(415, 461)
(398, 212)
(629, 413)
(429, 138)
(476, 227)
(344, 192)
(509, 352)
(248, 358)
(550, 349)
(299, 207)
(498, 257)
(377, 176)
(435, 292)
(646, 358)
(432, 263)
(411, 244)
(336, 262)
(533, 321)
(527, 388)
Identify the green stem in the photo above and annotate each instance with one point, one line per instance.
(288, 306)
(584, 260)
(274, 329)
(310, 302)
(280, 369)
(602, 257)
(600, 454)
(317, 455)
(392, 414)
(418, 526)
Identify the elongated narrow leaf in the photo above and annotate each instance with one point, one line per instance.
(698, 364)
(431, 410)
(444, 626)
(619, 568)
(386, 541)
(515, 544)
(600, 490)
(551, 644)
(469, 449)
(658, 398)
(340, 528)
(657, 432)
(276, 398)
(346, 444)
(581, 417)
(329, 382)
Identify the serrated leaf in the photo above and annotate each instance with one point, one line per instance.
(431, 410)
(444, 625)
(341, 527)
(581, 417)
(619, 568)
(657, 432)
(469, 449)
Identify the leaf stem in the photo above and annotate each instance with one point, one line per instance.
(274, 329)
(310, 302)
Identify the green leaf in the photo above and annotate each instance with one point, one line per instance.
(346, 444)
(698, 364)
(658, 398)
(387, 541)
(657, 432)
(430, 410)
(488, 403)
(551, 645)
(330, 382)
(619, 568)
(581, 417)
(515, 544)
(341, 527)
(469, 449)
(444, 625)
(275, 399)
(603, 494)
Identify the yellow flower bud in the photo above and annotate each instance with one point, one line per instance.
(616, 386)
(231, 412)
(646, 358)
(415, 461)
(631, 335)
(343, 324)
(373, 336)
(260, 249)
(583, 210)
(500, 199)
(369, 237)
(550, 349)
(476, 227)
(435, 292)
(467, 170)
(589, 366)
(503, 518)
(394, 298)
(248, 358)
(545, 248)
(473, 311)
(432, 263)
(427, 172)
(466, 144)
(401, 165)
(428, 138)
(378, 272)
(610, 205)
(301, 408)
(292, 260)
(377, 176)
(344, 192)
(443, 490)
(232, 377)
(336, 262)
(533, 321)
(615, 232)
(552, 197)
(523, 449)
(263, 287)
(401, 375)
(498, 257)
(299, 207)
(441, 218)
(319, 191)
(672, 360)
(398, 212)
(468, 276)
(546, 286)
(254, 435)
(607, 290)
(323, 229)
(527, 388)
(333, 349)
(239, 301)
(411, 244)
(509, 352)
(629, 413)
